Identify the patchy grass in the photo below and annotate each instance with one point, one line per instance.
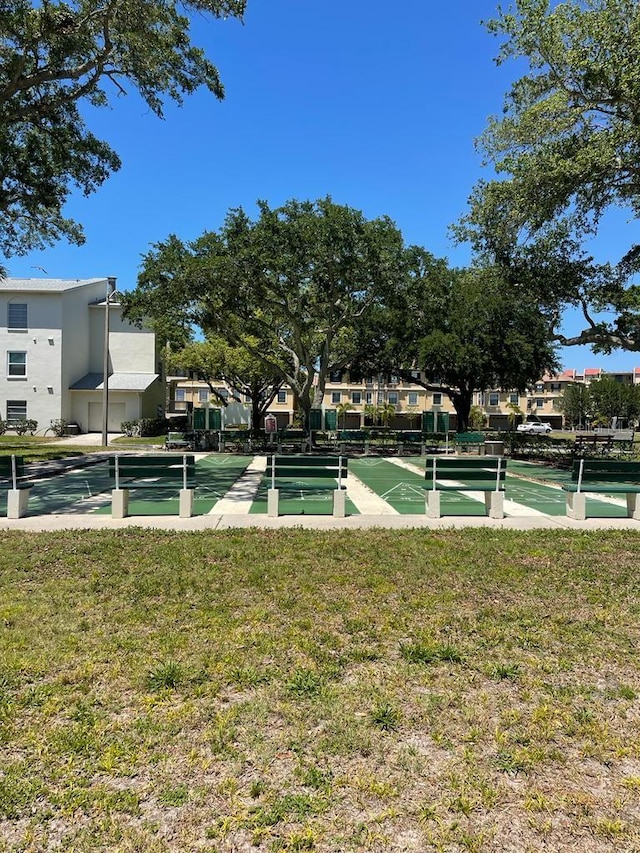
(332, 691)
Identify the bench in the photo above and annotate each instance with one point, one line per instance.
(603, 476)
(411, 441)
(466, 440)
(178, 441)
(234, 439)
(289, 470)
(12, 477)
(293, 438)
(600, 444)
(457, 474)
(357, 439)
(436, 442)
(151, 471)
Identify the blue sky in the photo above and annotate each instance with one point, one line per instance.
(373, 103)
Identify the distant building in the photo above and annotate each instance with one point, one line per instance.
(351, 395)
(52, 332)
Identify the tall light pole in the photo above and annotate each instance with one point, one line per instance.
(111, 287)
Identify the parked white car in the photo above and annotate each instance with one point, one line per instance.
(535, 427)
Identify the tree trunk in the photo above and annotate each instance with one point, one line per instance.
(256, 416)
(462, 404)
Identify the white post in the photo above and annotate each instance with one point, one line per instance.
(186, 503)
(339, 503)
(111, 286)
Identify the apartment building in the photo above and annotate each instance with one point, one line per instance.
(545, 400)
(345, 401)
(347, 397)
(53, 334)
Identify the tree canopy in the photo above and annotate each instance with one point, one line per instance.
(290, 287)
(566, 150)
(56, 56)
(250, 378)
(612, 400)
(466, 330)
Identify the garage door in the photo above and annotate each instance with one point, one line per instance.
(117, 412)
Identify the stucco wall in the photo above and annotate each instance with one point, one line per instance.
(131, 350)
(76, 340)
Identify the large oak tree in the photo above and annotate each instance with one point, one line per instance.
(56, 57)
(290, 287)
(566, 151)
(250, 379)
(464, 330)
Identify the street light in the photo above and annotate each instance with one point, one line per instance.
(111, 288)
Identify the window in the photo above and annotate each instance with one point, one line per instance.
(494, 398)
(16, 410)
(539, 402)
(203, 395)
(282, 396)
(392, 397)
(514, 398)
(356, 398)
(181, 395)
(412, 398)
(437, 399)
(17, 364)
(336, 396)
(16, 316)
(539, 387)
(335, 376)
(393, 379)
(368, 398)
(223, 393)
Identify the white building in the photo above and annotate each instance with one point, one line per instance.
(52, 333)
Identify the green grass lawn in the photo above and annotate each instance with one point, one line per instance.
(139, 441)
(38, 448)
(298, 690)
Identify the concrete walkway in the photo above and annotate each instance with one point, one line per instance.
(310, 522)
(86, 439)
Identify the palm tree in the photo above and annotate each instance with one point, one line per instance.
(386, 412)
(342, 409)
(371, 411)
(515, 412)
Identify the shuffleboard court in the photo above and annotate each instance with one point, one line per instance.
(404, 490)
(88, 490)
(401, 486)
(69, 493)
(215, 474)
(301, 497)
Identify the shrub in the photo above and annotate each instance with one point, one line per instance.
(3, 427)
(144, 427)
(26, 425)
(152, 426)
(59, 427)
